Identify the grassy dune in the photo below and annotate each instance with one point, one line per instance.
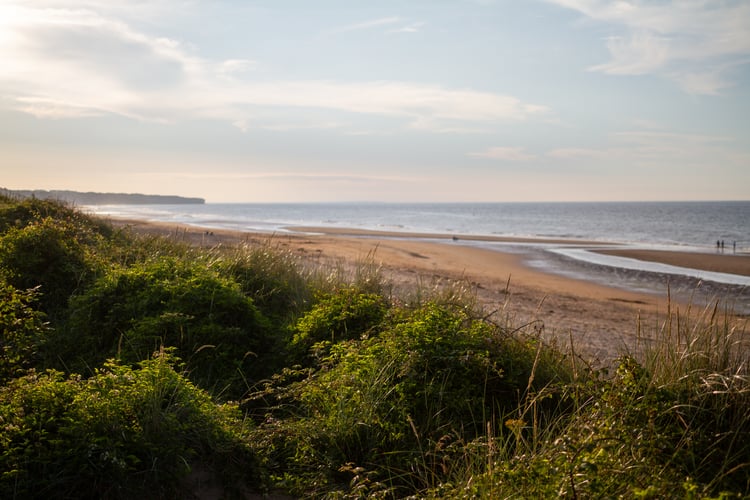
(138, 367)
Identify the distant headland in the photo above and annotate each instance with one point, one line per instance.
(90, 198)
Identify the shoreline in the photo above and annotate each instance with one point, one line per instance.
(599, 319)
(728, 263)
(435, 236)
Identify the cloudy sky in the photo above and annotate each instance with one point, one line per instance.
(348, 100)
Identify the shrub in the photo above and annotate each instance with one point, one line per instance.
(123, 433)
(389, 405)
(342, 315)
(22, 331)
(21, 213)
(48, 254)
(180, 303)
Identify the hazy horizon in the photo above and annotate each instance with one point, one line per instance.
(340, 101)
(368, 202)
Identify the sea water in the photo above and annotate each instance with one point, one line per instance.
(692, 224)
(687, 226)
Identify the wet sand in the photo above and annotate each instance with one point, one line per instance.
(722, 262)
(602, 321)
(715, 262)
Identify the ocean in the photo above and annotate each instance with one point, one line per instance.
(687, 226)
(691, 224)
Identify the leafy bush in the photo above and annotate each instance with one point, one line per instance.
(19, 214)
(180, 303)
(22, 331)
(48, 254)
(390, 404)
(342, 315)
(123, 433)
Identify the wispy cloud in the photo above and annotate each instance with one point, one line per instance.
(285, 176)
(234, 67)
(317, 125)
(577, 154)
(71, 63)
(394, 24)
(695, 43)
(366, 25)
(409, 28)
(638, 54)
(504, 154)
(638, 147)
(50, 109)
(651, 149)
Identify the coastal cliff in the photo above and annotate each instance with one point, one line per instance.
(91, 198)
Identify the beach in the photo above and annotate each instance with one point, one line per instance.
(602, 321)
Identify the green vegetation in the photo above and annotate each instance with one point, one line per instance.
(129, 313)
(139, 367)
(121, 433)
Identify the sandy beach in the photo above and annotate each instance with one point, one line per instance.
(601, 320)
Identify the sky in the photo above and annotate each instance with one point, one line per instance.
(393, 101)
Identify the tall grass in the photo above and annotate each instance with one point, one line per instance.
(672, 421)
(692, 344)
(269, 273)
(703, 358)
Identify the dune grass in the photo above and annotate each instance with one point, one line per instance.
(156, 369)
